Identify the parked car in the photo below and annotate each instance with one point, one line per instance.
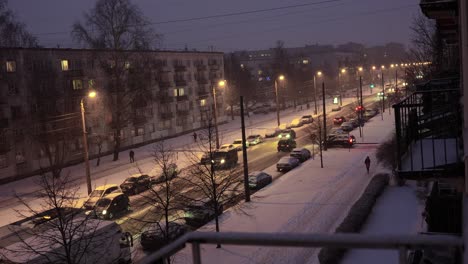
(112, 205)
(200, 213)
(336, 108)
(287, 133)
(356, 122)
(227, 147)
(171, 173)
(272, 132)
(336, 131)
(136, 183)
(99, 192)
(302, 154)
(155, 237)
(254, 139)
(205, 159)
(261, 110)
(286, 144)
(307, 119)
(342, 140)
(347, 126)
(339, 120)
(296, 123)
(287, 163)
(369, 113)
(238, 144)
(259, 179)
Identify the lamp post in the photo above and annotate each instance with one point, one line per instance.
(383, 89)
(342, 71)
(319, 73)
(91, 94)
(221, 84)
(281, 78)
(373, 79)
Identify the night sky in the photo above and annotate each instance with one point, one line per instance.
(370, 22)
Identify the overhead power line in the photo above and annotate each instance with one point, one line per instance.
(218, 16)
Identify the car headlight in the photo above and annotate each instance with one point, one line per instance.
(222, 161)
(288, 136)
(280, 136)
(104, 211)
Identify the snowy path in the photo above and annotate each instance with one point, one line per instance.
(307, 199)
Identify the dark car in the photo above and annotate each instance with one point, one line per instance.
(112, 205)
(339, 120)
(136, 183)
(259, 179)
(287, 133)
(171, 173)
(287, 164)
(155, 237)
(286, 144)
(342, 140)
(302, 154)
(200, 213)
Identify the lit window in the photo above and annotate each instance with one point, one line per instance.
(127, 65)
(77, 84)
(64, 64)
(11, 66)
(140, 131)
(242, 66)
(305, 61)
(91, 83)
(179, 92)
(202, 102)
(259, 72)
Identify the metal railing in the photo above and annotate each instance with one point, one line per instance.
(402, 243)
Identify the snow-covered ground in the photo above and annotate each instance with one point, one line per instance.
(309, 199)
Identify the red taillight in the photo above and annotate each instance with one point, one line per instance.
(350, 140)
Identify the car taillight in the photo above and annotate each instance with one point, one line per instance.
(350, 140)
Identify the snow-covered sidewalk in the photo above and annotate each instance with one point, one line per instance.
(309, 199)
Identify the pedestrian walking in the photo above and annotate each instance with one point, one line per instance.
(367, 162)
(194, 137)
(132, 156)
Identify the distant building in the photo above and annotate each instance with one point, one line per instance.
(167, 93)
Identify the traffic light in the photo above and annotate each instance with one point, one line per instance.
(372, 85)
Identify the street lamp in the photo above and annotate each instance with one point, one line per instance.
(91, 94)
(221, 84)
(382, 68)
(281, 78)
(343, 71)
(319, 73)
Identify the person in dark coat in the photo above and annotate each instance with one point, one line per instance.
(367, 162)
(194, 136)
(132, 156)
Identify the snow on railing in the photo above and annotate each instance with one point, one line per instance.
(396, 242)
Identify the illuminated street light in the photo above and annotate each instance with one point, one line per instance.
(221, 84)
(91, 94)
(319, 73)
(281, 78)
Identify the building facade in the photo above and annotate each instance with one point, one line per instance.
(143, 96)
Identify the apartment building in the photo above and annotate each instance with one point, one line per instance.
(142, 97)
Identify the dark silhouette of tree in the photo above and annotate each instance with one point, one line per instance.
(119, 26)
(12, 32)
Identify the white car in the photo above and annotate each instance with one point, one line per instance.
(254, 139)
(227, 147)
(238, 144)
(347, 126)
(296, 123)
(307, 119)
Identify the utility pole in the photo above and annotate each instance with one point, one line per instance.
(277, 103)
(383, 94)
(244, 153)
(85, 148)
(362, 104)
(324, 118)
(315, 96)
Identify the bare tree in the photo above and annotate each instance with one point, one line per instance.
(59, 232)
(214, 186)
(12, 32)
(119, 26)
(316, 135)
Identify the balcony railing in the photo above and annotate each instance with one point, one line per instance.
(182, 98)
(165, 84)
(203, 92)
(166, 115)
(202, 81)
(401, 243)
(201, 67)
(214, 67)
(180, 68)
(180, 82)
(165, 98)
(139, 119)
(183, 112)
(428, 134)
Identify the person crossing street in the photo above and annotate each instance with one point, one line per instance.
(367, 162)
